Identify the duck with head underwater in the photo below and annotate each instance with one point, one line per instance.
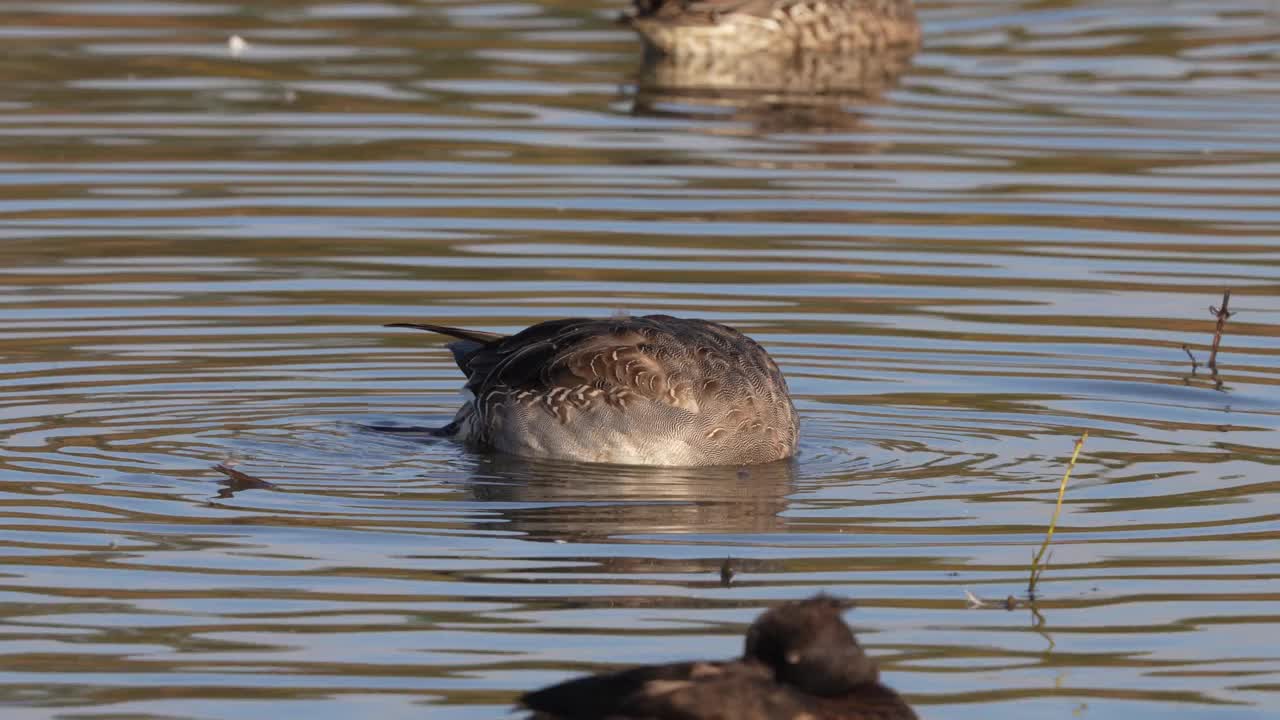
(801, 662)
(652, 390)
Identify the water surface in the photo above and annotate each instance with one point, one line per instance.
(959, 273)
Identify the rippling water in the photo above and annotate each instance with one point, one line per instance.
(959, 272)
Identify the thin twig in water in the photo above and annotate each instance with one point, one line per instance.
(1036, 568)
(1222, 315)
(727, 572)
(237, 481)
(1194, 365)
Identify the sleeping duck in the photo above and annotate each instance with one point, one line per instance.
(801, 662)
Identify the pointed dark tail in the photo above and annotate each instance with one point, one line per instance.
(479, 336)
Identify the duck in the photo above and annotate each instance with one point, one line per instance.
(651, 390)
(801, 662)
(747, 27)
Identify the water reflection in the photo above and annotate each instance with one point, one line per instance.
(773, 93)
(565, 501)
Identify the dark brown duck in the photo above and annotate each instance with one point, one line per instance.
(802, 662)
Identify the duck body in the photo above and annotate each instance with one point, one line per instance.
(802, 662)
(653, 390)
(743, 27)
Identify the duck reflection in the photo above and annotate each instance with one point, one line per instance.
(797, 75)
(798, 92)
(779, 64)
(576, 502)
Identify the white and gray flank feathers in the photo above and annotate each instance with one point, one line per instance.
(710, 27)
(653, 390)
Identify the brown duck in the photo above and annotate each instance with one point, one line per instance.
(801, 662)
(652, 390)
(707, 27)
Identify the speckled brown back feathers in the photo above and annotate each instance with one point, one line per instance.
(692, 27)
(656, 389)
